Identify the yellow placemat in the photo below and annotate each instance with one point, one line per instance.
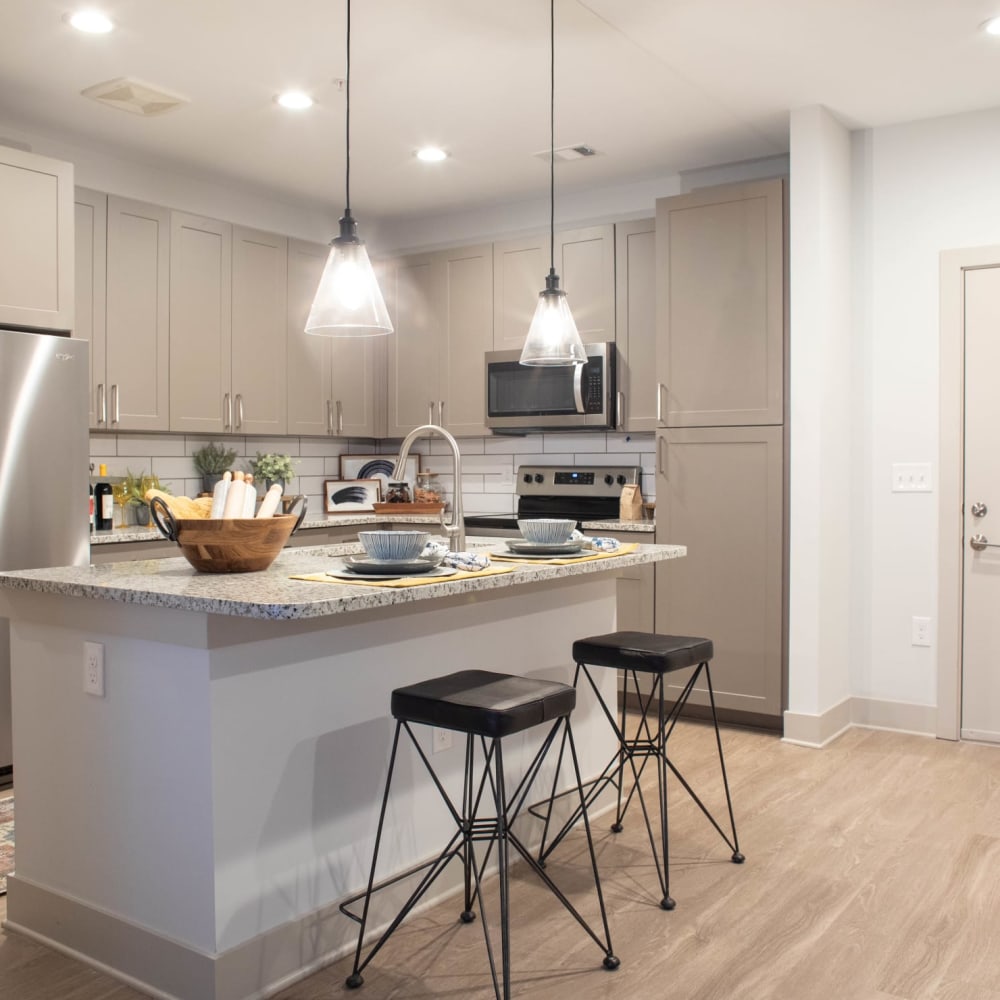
(409, 581)
(556, 561)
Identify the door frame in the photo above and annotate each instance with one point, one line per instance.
(951, 445)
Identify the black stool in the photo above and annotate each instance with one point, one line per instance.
(646, 653)
(488, 706)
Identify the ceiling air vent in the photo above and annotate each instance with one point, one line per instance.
(135, 96)
(565, 153)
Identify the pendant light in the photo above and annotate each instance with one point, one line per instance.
(348, 302)
(553, 338)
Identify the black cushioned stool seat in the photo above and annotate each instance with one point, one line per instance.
(486, 707)
(648, 653)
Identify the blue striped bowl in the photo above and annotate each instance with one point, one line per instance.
(546, 530)
(396, 546)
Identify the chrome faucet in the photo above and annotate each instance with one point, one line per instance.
(456, 529)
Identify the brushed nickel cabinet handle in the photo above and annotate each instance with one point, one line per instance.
(441, 412)
(661, 465)
(115, 404)
(239, 411)
(227, 408)
(340, 417)
(102, 404)
(329, 417)
(620, 407)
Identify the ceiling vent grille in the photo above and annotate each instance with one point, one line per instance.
(566, 153)
(134, 96)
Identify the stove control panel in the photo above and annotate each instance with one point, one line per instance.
(575, 480)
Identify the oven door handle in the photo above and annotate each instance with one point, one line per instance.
(578, 387)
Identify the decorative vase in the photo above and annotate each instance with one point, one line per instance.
(209, 480)
(142, 514)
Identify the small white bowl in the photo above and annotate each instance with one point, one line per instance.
(396, 546)
(546, 530)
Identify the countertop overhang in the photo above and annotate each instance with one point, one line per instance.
(273, 595)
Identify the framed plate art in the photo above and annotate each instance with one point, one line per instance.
(378, 467)
(351, 496)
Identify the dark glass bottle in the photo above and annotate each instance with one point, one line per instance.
(104, 504)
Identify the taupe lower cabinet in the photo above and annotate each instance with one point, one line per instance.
(441, 305)
(36, 245)
(719, 492)
(227, 328)
(585, 263)
(720, 306)
(331, 380)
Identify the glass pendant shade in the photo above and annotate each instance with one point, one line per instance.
(348, 302)
(553, 338)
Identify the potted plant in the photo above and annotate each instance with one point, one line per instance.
(136, 487)
(211, 461)
(272, 468)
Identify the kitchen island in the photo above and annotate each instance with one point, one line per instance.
(193, 829)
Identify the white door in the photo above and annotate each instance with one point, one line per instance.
(981, 506)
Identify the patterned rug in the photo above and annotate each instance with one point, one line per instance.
(6, 841)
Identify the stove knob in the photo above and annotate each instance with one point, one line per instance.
(622, 480)
(609, 479)
(527, 477)
(539, 478)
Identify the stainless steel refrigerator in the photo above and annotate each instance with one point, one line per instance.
(44, 476)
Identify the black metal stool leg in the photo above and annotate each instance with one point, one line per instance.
(667, 902)
(738, 857)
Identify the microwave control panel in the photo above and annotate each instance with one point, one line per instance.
(592, 386)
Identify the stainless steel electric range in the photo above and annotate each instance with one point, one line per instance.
(578, 492)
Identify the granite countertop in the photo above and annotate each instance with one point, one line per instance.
(644, 526)
(271, 594)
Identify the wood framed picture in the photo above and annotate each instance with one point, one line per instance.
(378, 467)
(351, 496)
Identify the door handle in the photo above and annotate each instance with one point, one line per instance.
(329, 417)
(441, 412)
(979, 510)
(239, 411)
(660, 390)
(115, 404)
(430, 412)
(980, 542)
(340, 417)
(661, 465)
(102, 404)
(578, 388)
(620, 410)
(227, 416)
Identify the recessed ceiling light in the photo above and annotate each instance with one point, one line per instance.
(431, 154)
(91, 21)
(295, 100)
(992, 26)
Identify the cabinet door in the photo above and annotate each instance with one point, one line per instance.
(417, 295)
(635, 333)
(308, 378)
(36, 241)
(354, 363)
(720, 305)
(260, 274)
(468, 328)
(585, 262)
(138, 311)
(91, 234)
(200, 325)
(719, 492)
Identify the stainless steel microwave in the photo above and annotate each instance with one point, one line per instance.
(521, 398)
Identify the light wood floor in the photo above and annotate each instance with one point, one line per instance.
(872, 873)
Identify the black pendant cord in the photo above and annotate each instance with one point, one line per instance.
(348, 142)
(552, 136)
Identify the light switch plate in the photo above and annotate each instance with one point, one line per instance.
(911, 477)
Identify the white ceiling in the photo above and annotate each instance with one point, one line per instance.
(657, 86)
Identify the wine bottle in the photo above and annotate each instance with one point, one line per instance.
(104, 503)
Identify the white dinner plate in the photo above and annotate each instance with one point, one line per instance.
(542, 555)
(374, 567)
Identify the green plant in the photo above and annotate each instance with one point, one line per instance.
(136, 485)
(272, 467)
(213, 459)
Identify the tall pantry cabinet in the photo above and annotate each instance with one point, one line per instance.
(720, 438)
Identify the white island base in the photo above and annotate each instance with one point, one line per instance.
(193, 830)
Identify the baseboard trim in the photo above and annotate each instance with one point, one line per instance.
(867, 713)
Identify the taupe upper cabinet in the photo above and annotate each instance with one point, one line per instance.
(137, 378)
(91, 235)
(720, 306)
(585, 263)
(227, 328)
(442, 308)
(36, 241)
(331, 380)
(635, 277)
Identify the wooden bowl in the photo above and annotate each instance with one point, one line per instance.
(231, 545)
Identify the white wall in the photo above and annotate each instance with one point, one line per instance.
(927, 186)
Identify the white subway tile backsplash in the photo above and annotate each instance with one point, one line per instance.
(489, 465)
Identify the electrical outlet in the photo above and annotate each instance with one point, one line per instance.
(93, 669)
(440, 739)
(920, 632)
